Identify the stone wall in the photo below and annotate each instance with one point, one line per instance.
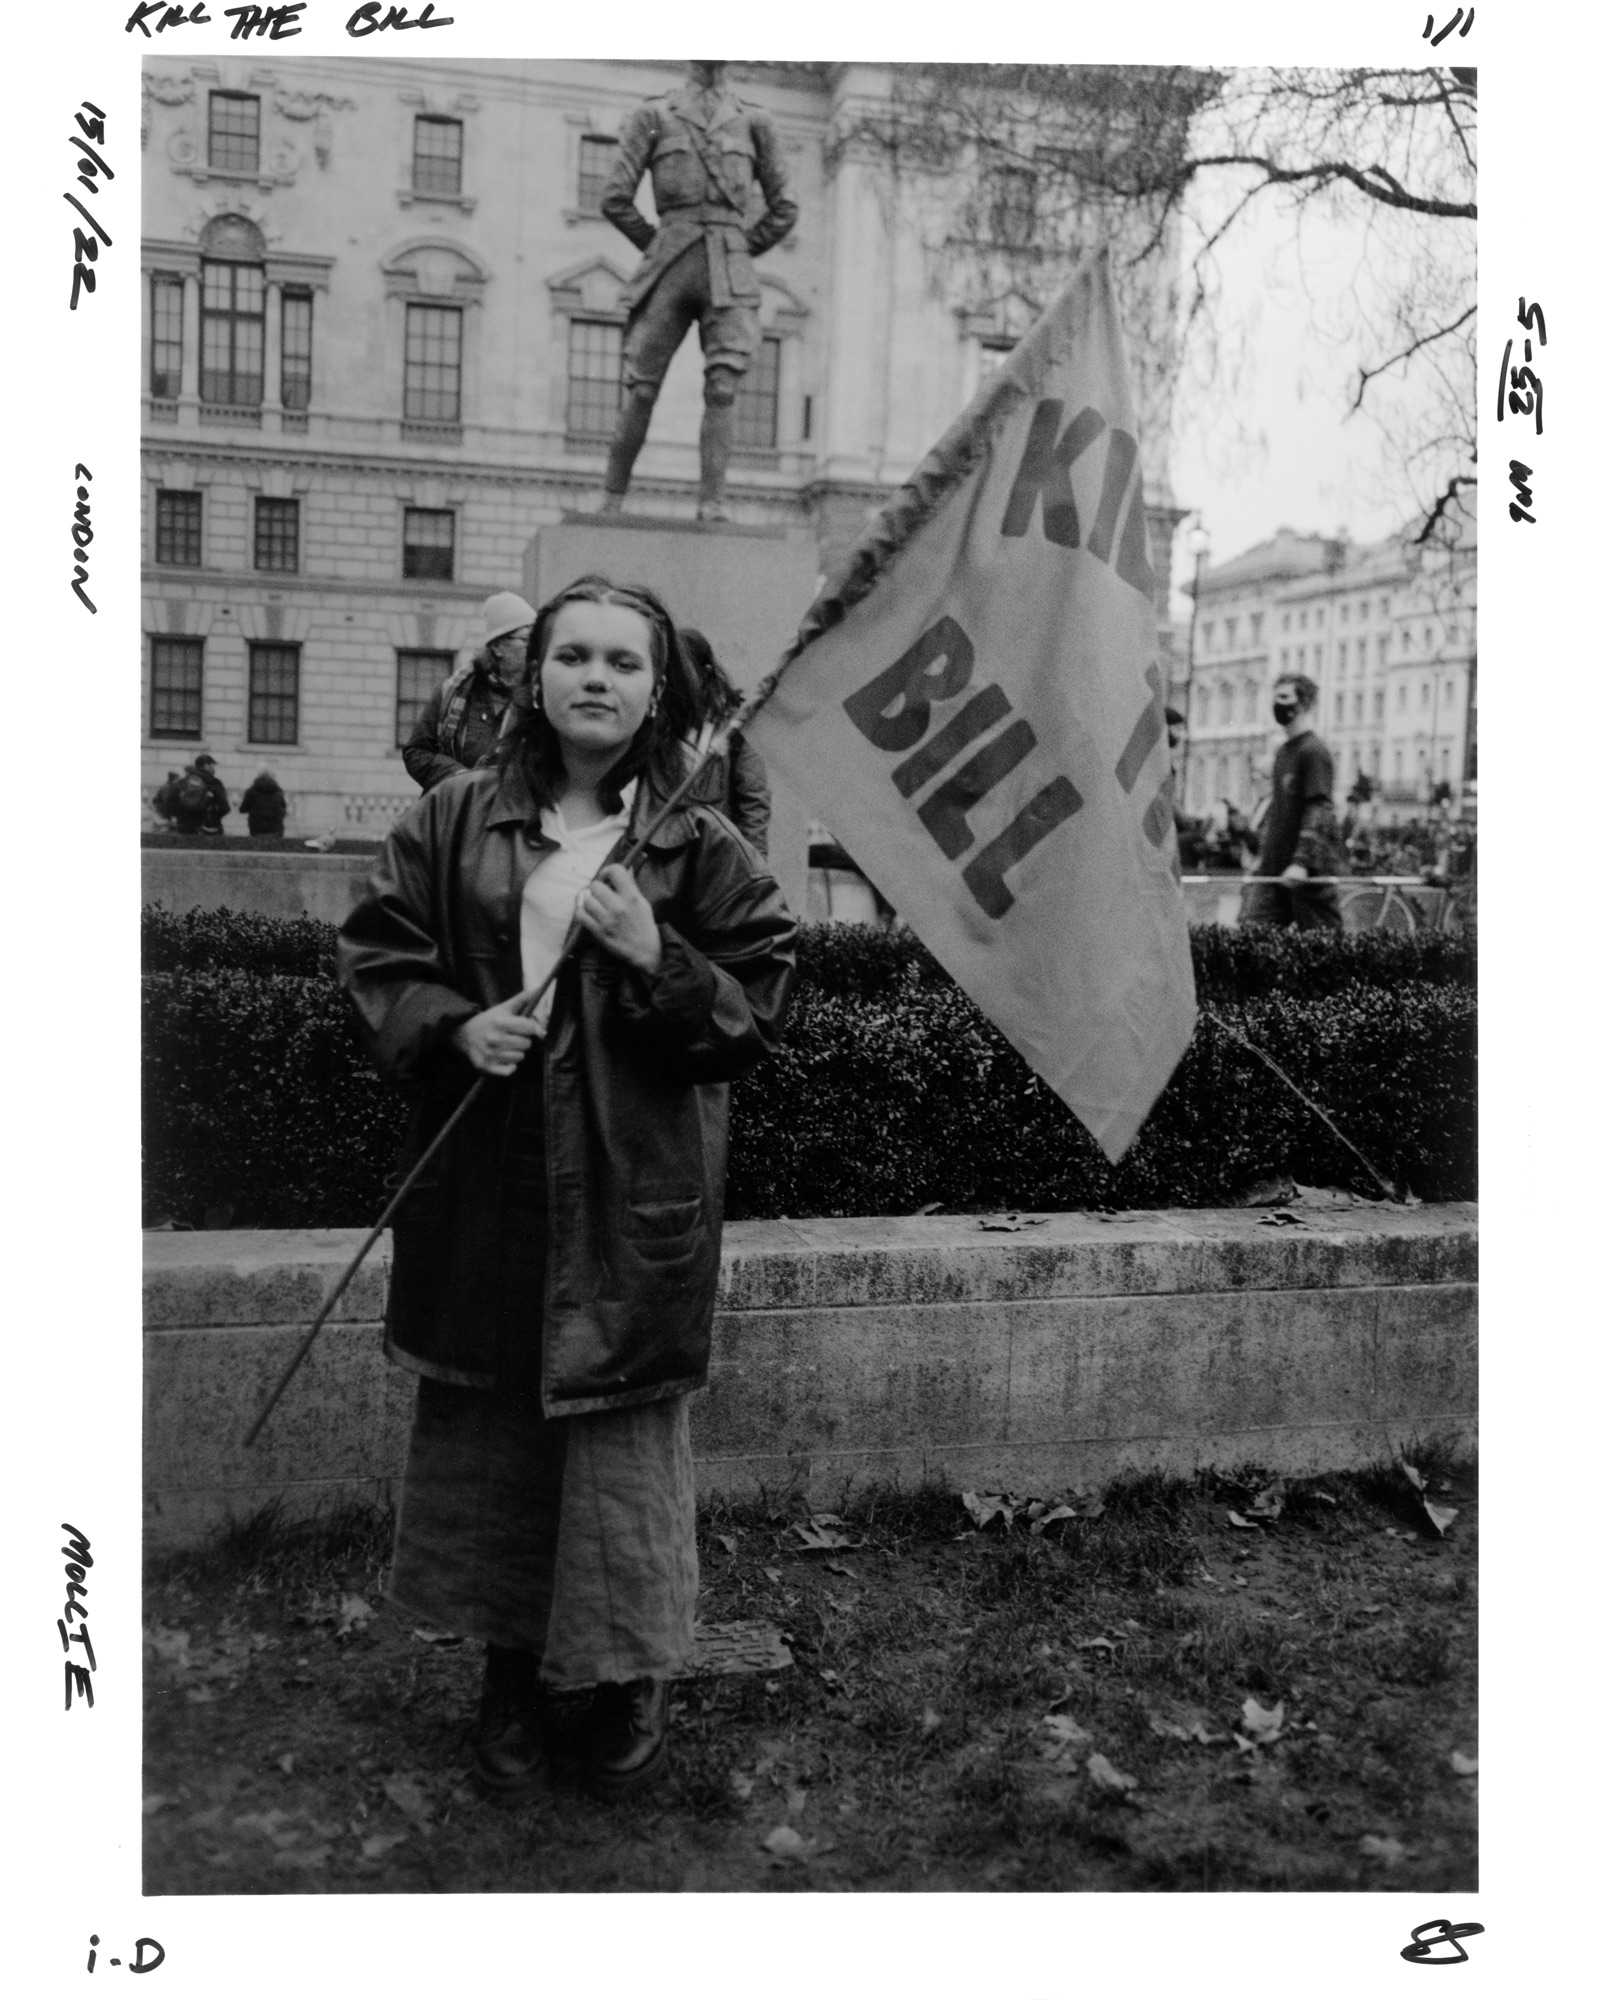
(900, 1348)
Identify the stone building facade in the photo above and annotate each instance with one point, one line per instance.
(1388, 633)
(382, 327)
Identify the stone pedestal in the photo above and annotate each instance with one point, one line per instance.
(745, 588)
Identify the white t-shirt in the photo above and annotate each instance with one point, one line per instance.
(559, 877)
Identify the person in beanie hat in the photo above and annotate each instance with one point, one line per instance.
(461, 723)
(265, 808)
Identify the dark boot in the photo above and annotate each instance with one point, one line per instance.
(628, 1735)
(510, 1751)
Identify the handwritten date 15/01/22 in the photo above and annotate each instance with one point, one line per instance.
(86, 248)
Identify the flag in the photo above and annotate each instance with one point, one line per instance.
(975, 710)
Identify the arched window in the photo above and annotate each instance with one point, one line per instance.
(233, 304)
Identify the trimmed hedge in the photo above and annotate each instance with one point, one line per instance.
(890, 1092)
(858, 961)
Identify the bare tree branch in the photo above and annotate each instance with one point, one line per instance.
(1394, 361)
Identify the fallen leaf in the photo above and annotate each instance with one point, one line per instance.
(843, 1569)
(1262, 1725)
(1061, 1737)
(772, 1576)
(377, 1845)
(786, 1844)
(1097, 1644)
(1104, 1774)
(729, 1544)
(929, 1208)
(408, 1795)
(1463, 1766)
(1184, 1726)
(354, 1615)
(155, 1802)
(931, 1719)
(1441, 1517)
(1060, 1512)
(810, 1536)
(742, 1786)
(794, 1800)
(286, 1763)
(436, 1638)
(1318, 1494)
(1268, 1503)
(1239, 1521)
(1414, 1476)
(1382, 1847)
(983, 1507)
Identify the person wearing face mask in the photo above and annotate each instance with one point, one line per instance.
(554, 1273)
(460, 725)
(1300, 835)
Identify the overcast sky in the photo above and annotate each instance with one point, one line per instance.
(1279, 448)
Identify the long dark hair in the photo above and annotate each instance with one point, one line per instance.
(715, 695)
(654, 753)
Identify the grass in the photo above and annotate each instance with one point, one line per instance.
(910, 1745)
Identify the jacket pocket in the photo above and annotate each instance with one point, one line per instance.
(664, 1232)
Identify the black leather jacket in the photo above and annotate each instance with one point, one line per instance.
(635, 1145)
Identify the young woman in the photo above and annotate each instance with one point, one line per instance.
(553, 1279)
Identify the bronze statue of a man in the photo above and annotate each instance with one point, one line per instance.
(704, 149)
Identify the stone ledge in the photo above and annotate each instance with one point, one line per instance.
(877, 1349)
(240, 1277)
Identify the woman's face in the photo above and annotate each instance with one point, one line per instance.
(596, 679)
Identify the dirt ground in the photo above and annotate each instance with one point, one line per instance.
(1094, 1706)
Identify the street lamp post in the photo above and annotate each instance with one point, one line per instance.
(1198, 540)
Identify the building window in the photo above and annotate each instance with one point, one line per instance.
(277, 536)
(1444, 762)
(1206, 631)
(1319, 617)
(234, 137)
(1400, 697)
(1287, 621)
(1427, 637)
(433, 364)
(297, 350)
(1255, 628)
(429, 544)
(1344, 654)
(178, 529)
(417, 679)
(1361, 702)
(232, 332)
(1399, 762)
(274, 694)
(166, 337)
(1302, 621)
(1383, 608)
(594, 377)
(436, 156)
(1205, 707)
(176, 674)
(1377, 704)
(1317, 657)
(1250, 692)
(1283, 655)
(1344, 614)
(1300, 657)
(755, 415)
(1405, 640)
(1366, 606)
(1233, 631)
(596, 157)
(1338, 708)
(1225, 703)
(1449, 694)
